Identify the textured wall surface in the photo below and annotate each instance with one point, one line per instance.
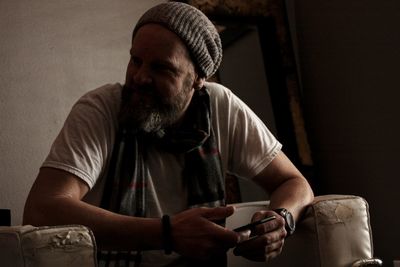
(51, 53)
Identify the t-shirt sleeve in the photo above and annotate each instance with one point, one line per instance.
(84, 142)
(245, 141)
(253, 145)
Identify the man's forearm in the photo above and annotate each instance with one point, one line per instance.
(294, 195)
(286, 186)
(112, 231)
(55, 199)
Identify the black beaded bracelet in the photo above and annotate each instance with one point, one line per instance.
(166, 234)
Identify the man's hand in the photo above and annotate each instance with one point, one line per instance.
(196, 234)
(266, 242)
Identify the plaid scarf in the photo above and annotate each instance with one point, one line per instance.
(125, 189)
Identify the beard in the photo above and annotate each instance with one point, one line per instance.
(151, 112)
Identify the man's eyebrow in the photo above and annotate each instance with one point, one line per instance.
(167, 63)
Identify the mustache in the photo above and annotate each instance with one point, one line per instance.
(141, 89)
(146, 91)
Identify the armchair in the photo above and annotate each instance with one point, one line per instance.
(334, 232)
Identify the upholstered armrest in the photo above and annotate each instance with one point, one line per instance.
(333, 232)
(52, 246)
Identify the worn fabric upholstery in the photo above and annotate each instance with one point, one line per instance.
(49, 246)
(335, 231)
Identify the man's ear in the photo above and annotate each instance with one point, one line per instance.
(198, 82)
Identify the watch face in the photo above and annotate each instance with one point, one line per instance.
(290, 223)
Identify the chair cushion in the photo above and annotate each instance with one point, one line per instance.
(69, 245)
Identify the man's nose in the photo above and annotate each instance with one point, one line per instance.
(142, 76)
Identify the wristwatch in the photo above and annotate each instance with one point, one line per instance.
(290, 224)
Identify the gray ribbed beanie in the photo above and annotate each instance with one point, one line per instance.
(193, 27)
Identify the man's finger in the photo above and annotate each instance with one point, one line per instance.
(270, 226)
(218, 213)
(270, 241)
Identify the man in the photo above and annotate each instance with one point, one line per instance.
(143, 164)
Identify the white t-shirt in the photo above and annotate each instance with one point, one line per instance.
(85, 143)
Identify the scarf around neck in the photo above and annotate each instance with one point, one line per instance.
(125, 189)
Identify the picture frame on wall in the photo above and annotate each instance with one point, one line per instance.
(233, 19)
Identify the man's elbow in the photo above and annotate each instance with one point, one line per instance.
(32, 214)
(39, 212)
(308, 193)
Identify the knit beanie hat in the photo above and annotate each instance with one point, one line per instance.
(195, 30)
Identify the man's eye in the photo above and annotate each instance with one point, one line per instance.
(163, 68)
(135, 61)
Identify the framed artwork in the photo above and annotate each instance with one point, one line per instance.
(233, 18)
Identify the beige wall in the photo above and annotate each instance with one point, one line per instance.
(51, 52)
(349, 57)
